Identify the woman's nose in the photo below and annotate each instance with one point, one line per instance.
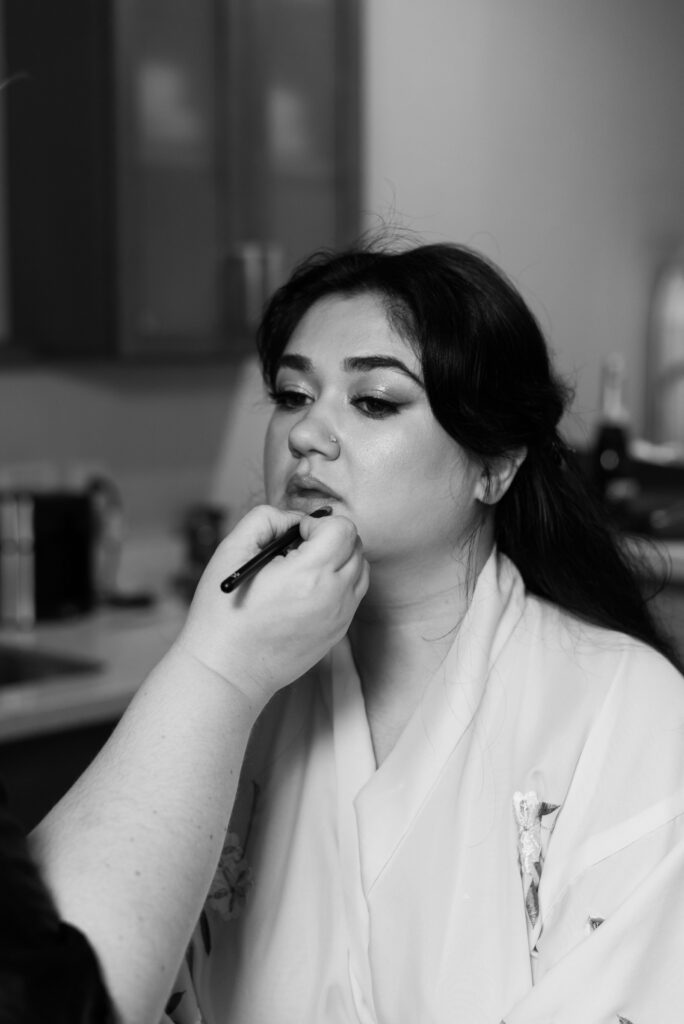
(312, 434)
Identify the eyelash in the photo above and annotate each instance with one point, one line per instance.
(376, 408)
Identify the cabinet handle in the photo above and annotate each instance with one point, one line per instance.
(275, 266)
(253, 268)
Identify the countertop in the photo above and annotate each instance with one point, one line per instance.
(127, 642)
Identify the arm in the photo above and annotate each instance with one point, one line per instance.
(130, 851)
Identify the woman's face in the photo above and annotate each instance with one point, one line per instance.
(406, 484)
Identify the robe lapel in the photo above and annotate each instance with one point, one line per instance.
(391, 799)
(355, 766)
(377, 807)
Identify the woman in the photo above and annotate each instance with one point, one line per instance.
(473, 807)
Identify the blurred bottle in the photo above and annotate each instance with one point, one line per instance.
(107, 527)
(17, 590)
(204, 527)
(665, 384)
(612, 466)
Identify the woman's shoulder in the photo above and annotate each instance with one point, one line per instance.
(606, 658)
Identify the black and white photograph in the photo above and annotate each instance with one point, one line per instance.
(341, 511)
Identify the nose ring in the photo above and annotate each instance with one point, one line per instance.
(333, 439)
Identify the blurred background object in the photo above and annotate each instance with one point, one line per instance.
(665, 355)
(203, 528)
(641, 483)
(611, 459)
(60, 548)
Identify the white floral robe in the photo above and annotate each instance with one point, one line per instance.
(519, 855)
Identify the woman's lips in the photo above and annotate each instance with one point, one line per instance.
(304, 493)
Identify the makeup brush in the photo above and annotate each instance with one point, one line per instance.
(267, 554)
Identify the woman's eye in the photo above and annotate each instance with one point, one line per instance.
(288, 398)
(376, 408)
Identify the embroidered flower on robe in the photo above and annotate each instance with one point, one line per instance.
(181, 1013)
(529, 811)
(232, 881)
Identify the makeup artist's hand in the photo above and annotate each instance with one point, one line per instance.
(277, 625)
(148, 817)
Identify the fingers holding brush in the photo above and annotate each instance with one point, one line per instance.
(336, 543)
(285, 613)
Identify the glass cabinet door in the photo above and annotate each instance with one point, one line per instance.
(292, 135)
(221, 138)
(169, 226)
(238, 122)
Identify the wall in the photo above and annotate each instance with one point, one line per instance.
(169, 435)
(547, 133)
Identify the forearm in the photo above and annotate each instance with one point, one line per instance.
(130, 852)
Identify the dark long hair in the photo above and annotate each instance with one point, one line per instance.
(490, 383)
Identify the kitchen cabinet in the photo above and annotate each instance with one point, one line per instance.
(168, 163)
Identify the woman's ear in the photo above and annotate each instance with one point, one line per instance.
(498, 475)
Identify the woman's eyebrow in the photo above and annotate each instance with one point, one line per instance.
(295, 362)
(379, 362)
(352, 364)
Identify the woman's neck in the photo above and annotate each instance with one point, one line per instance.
(402, 632)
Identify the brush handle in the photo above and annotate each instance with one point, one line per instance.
(267, 554)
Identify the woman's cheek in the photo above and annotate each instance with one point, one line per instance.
(271, 460)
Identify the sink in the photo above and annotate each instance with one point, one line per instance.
(27, 665)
